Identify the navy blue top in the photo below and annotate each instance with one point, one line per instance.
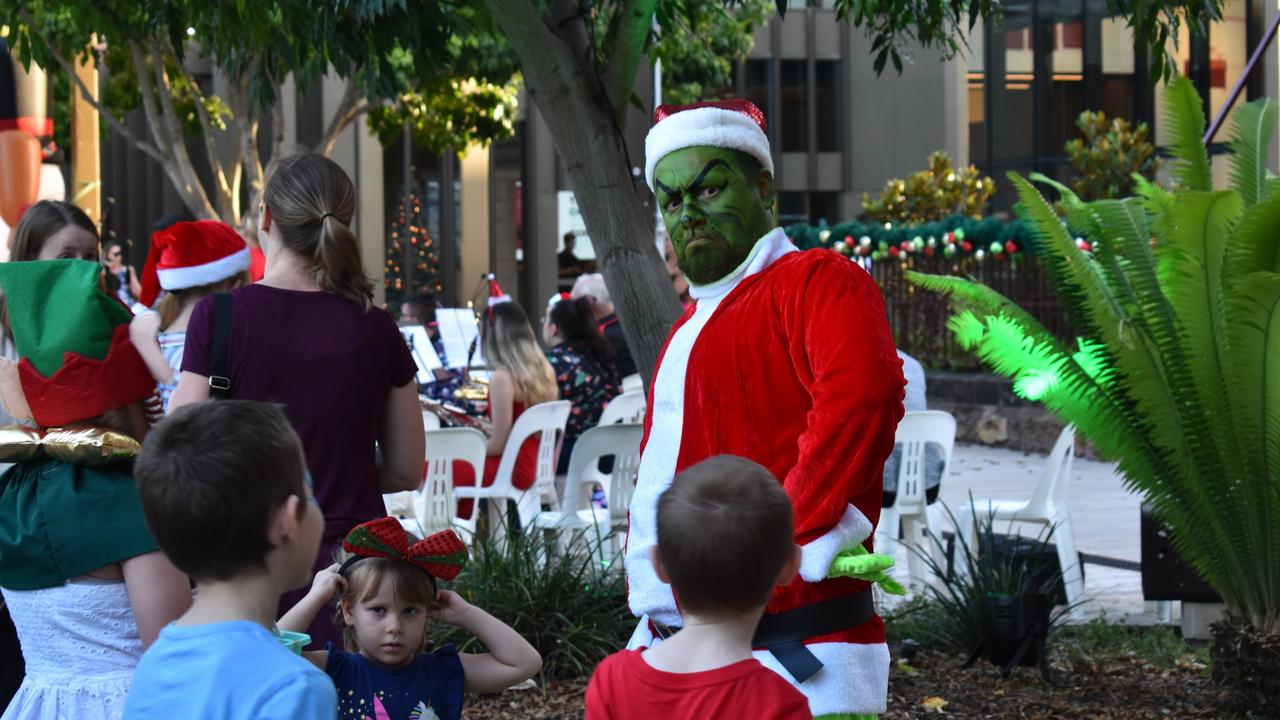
(429, 688)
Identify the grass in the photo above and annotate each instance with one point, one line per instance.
(1101, 640)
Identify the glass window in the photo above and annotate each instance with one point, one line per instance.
(1118, 86)
(757, 86)
(792, 208)
(1066, 72)
(824, 207)
(1227, 58)
(1012, 97)
(795, 106)
(827, 96)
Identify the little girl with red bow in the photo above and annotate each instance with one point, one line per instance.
(386, 580)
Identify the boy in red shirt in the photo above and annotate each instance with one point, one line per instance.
(724, 541)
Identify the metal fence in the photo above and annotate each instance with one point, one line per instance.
(918, 317)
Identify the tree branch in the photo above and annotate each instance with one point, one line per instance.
(246, 129)
(225, 199)
(177, 162)
(85, 92)
(349, 108)
(626, 43)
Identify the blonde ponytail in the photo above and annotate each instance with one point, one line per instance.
(313, 202)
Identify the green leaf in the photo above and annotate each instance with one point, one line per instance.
(1184, 120)
(1253, 124)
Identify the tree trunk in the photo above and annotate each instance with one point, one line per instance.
(592, 147)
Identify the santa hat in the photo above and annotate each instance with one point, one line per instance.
(190, 254)
(73, 340)
(731, 124)
(496, 295)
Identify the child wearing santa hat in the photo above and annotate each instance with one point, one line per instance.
(189, 261)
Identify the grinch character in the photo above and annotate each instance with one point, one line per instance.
(784, 358)
(80, 573)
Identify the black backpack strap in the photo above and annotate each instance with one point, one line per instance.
(220, 375)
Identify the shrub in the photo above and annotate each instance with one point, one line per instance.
(1108, 156)
(955, 620)
(567, 606)
(931, 195)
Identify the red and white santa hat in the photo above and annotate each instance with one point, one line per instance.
(495, 293)
(190, 254)
(733, 124)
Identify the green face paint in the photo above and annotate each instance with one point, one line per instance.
(713, 210)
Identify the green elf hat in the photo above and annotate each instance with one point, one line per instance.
(73, 338)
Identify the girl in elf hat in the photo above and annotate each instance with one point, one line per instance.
(190, 261)
(80, 573)
(386, 582)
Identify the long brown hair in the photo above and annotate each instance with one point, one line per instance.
(42, 221)
(313, 203)
(509, 344)
(171, 305)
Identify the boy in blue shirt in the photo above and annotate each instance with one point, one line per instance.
(224, 489)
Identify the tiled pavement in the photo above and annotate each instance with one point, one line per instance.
(1104, 513)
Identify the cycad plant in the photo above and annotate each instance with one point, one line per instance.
(1176, 375)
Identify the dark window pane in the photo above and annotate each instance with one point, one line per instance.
(791, 208)
(795, 106)
(824, 207)
(977, 119)
(758, 83)
(827, 96)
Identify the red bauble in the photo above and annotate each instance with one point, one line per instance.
(966, 246)
(894, 252)
(928, 251)
(1011, 247)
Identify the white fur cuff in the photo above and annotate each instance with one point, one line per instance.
(817, 554)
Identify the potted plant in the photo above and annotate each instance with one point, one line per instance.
(1176, 298)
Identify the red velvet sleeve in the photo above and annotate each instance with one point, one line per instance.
(841, 346)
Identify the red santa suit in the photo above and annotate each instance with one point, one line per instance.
(789, 362)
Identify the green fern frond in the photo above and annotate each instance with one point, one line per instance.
(974, 296)
(1252, 126)
(1255, 246)
(1156, 200)
(968, 329)
(1184, 119)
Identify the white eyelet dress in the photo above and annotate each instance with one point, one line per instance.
(80, 644)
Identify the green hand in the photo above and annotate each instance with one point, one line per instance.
(859, 564)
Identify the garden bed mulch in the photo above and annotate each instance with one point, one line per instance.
(932, 686)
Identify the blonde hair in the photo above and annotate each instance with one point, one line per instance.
(364, 578)
(509, 344)
(313, 202)
(170, 306)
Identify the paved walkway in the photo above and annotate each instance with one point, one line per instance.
(1104, 513)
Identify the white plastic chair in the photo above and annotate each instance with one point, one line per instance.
(430, 421)
(910, 505)
(626, 408)
(1046, 506)
(622, 441)
(434, 506)
(633, 382)
(547, 418)
(401, 505)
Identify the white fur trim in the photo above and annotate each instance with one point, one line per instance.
(498, 299)
(712, 126)
(817, 554)
(647, 595)
(181, 278)
(854, 678)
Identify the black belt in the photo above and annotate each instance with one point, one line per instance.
(783, 634)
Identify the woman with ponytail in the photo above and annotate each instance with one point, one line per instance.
(308, 337)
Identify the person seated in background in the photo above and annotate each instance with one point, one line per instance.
(725, 539)
(934, 462)
(592, 286)
(570, 265)
(420, 309)
(584, 367)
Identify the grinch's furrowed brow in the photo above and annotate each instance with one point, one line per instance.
(697, 181)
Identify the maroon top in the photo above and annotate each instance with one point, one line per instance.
(331, 365)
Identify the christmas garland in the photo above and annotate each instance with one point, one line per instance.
(957, 236)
